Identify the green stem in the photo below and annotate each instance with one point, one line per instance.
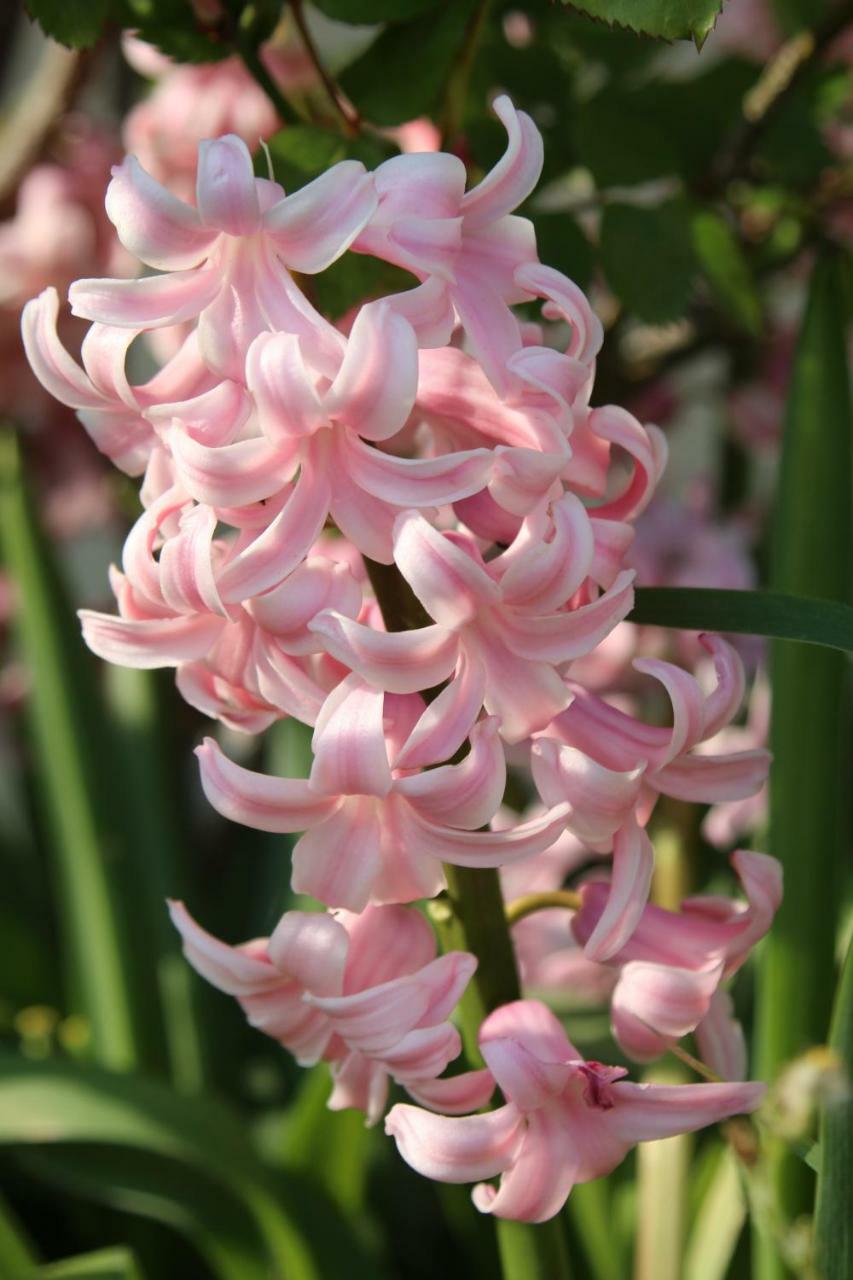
(472, 918)
(247, 39)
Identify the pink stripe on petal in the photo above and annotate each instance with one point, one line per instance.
(561, 637)
(212, 418)
(152, 224)
(285, 391)
(633, 863)
(462, 795)
(447, 721)
(149, 303)
(709, 779)
(396, 661)
(487, 848)
(446, 580)
(230, 475)
(283, 545)
(456, 1149)
(256, 800)
(226, 191)
(350, 753)
(545, 574)
(339, 860)
(418, 482)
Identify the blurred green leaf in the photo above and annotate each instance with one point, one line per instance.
(76, 23)
(648, 258)
(562, 244)
(353, 279)
(810, 552)
(753, 613)
(106, 1264)
(16, 1252)
(591, 1217)
(70, 752)
(302, 1233)
(621, 141)
(718, 1224)
(405, 71)
(302, 152)
(794, 15)
(725, 266)
(667, 19)
(365, 12)
(833, 1221)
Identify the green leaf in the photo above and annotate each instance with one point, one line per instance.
(809, 552)
(70, 753)
(725, 266)
(75, 23)
(621, 141)
(753, 613)
(302, 1234)
(177, 30)
(302, 152)
(718, 1225)
(833, 1223)
(405, 71)
(106, 1264)
(562, 244)
(16, 1252)
(647, 255)
(365, 12)
(666, 19)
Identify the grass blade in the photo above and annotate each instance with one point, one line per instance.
(62, 710)
(775, 614)
(809, 554)
(833, 1219)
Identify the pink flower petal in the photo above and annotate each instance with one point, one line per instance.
(514, 176)
(230, 475)
(256, 800)
(705, 779)
(148, 643)
(456, 1149)
(315, 225)
(417, 482)
(338, 860)
(58, 373)
(568, 301)
(462, 795)
(396, 661)
(310, 947)
(446, 722)
(560, 637)
(642, 1112)
(543, 1173)
(226, 191)
(231, 969)
(455, 1096)
(543, 575)
(720, 1039)
(487, 848)
(149, 303)
(646, 447)
(654, 1005)
(447, 581)
(350, 754)
(374, 392)
(724, 702)
(152, 224)
(633, 863)
(285, 392)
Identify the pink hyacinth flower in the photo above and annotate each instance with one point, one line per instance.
(374, 834)
(508, 617)
(671, 968)
(226, 261)
(365, 993)
(565, 1120)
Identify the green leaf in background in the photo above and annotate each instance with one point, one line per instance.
(751, 613)
(106, 1264)
(303, 151)
(16, 1253)
(833, 1220)
(621, 141)
(76, 23)
(719, 1222)
(365, 12)
(405, 71)
(726, 269)
(65, 726)
(302, 1234)
(667, 19)
(810, 553)
(647, 255)
(562, 244)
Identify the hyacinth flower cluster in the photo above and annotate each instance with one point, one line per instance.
(438, 441)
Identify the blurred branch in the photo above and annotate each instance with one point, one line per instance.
(457, 83)
(35, 111)
(350, 119)
(247, 42)
(762, 104)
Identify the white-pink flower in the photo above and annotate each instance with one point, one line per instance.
(365, 993)
(565, 1120)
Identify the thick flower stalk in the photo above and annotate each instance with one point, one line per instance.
(410, 532)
